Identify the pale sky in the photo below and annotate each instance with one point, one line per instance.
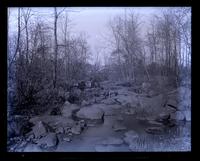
(91, 20)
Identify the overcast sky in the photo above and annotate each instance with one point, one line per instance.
(91, 20)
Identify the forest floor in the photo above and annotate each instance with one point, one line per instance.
(126, 119)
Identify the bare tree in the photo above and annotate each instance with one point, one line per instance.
(128, 44)
(26, 16)
(18, 37)
(56, 15)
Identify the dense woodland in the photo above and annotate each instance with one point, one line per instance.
(46, 61)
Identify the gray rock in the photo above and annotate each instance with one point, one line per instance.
(39, 129)
(50, 140)
(85, 103)
(90, 125)
(67, 129)
(163, 117)
(30, 137)
(82, 123)
(76, 129)
(53, 121)
(155, 130)
(118, 127)
(67, 103)
(70, 134)
(152, 122)
(91, 112)
(67, 109)
(109, 101)
(22, 144)
(59, 130)
(66, 139)
(170, 110)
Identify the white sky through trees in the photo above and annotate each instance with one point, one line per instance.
(92, 21)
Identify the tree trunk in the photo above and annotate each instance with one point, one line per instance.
(55, 49)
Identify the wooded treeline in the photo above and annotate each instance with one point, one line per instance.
(43, 65)
(164, 49)
(40, 64)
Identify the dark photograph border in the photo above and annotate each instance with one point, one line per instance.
(4, 4)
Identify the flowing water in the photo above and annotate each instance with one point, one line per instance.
(91, 138)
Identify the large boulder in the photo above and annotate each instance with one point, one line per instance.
(39, 129)
(68, 108)
(85, 103)
(118, 127)
(90, 112)
(53, 121)
(76, 129)
(163, 117)
(109, 101)
(59, 130)
(126, 99)
(48, 141)
(155, 130)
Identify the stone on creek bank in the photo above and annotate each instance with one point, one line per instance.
(91, 112)
(50, 140)
(68, 108)
(39, 129)
(118, 127)
(53, 121)
(155, 130)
